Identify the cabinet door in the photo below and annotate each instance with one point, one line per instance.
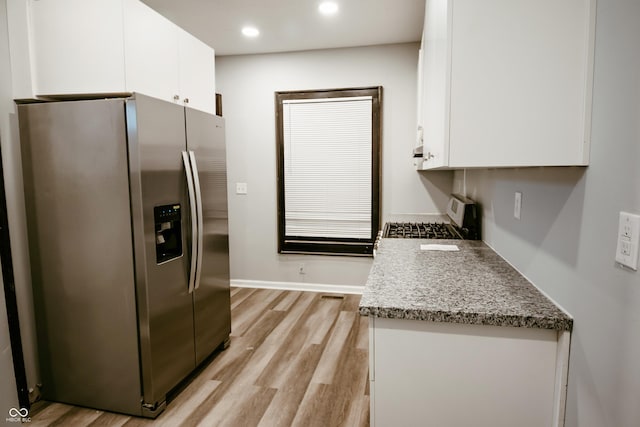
(462, 375)
(436, 83)
(507, 84)
(77, 46)
(197, 73)
(520, 79)
(151, 54)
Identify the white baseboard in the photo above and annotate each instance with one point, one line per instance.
(298, 286)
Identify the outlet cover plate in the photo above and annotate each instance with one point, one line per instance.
(628, 240)
(517, 207)
(241, 188)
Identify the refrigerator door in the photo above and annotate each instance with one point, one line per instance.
(76, 183)
(158, 188)
(212, 313)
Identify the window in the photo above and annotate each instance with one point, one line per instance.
(328, 144)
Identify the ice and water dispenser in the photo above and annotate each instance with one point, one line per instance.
(168, 225)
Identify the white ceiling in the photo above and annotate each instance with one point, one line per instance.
(292, 25)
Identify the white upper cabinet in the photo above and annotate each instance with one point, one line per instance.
(151, 53)
(196, 71)
(507, 83)
(77, 46)
(114, 46)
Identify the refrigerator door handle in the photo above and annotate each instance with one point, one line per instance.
(194, 220)
(196, 182)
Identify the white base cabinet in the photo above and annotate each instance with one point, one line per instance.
(105, 47)
(506, 83)
(446, 374)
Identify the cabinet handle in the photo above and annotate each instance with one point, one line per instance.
(176, 97)
(186, 100)
(429, 156)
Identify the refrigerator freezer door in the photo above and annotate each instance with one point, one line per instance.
(165, 306)
(79, 226)
(205, 137)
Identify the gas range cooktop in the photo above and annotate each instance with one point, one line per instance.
(420, 230)
(463, 223)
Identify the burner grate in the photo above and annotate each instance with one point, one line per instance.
(420, 230)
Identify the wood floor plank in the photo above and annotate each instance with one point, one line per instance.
(240, 357)
(38, 406)
(289, 299)
(139, 422)
(77, 417)
(351, 381)
(240, 408)
(109, 419)
(358, 412)
(351, 302)
(252, 308)
(49, 414)
(268, 356)
(314, 410)
(295, 316)
(362, 341)
(321, 320)
(335, 404)
(239, 295)
(250, 411)
(284, 406)
(263, 327)
(231, 403)
(237, 372)
(225, 366)
(295, 358)
(335, 348)
(365, 411)
(319, 313)
(181, 410)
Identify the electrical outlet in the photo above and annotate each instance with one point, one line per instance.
(241, 188)
(517, 205)
(628, 240)
(301, 269)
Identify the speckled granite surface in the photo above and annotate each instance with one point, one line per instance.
(474, 286)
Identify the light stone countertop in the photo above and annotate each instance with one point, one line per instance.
(473, 286)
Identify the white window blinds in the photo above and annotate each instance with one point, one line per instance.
(327, 167)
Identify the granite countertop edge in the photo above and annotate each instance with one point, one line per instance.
(517, 321)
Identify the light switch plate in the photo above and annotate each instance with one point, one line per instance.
(628, 240)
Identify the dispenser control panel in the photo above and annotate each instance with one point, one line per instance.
(168, 226)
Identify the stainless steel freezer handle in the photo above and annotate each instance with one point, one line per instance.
(194, 220)
(196, 182)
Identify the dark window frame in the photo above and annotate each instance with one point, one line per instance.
(324, 245)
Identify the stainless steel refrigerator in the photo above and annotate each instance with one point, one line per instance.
(126, 203)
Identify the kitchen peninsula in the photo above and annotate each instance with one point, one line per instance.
(461, 338)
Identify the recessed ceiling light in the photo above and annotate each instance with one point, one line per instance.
(328, 7)
(250, 31)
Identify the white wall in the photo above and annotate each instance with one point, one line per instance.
(8, 392)
(566, 240)
(247, 84)
(11, 162)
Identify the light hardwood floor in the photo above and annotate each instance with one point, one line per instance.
(295, 359)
